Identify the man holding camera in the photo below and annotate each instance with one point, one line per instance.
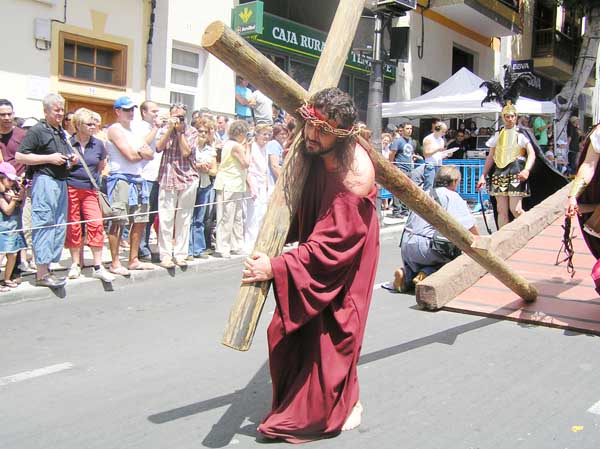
(46, 150)
(178, 180)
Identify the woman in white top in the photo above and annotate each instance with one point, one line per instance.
(258, 185)
(433, 147)
(205, 161)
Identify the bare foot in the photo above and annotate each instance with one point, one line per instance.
(353, 420)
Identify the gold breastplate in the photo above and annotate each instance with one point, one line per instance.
(507, 148)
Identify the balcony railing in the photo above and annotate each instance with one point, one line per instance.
(553, 43)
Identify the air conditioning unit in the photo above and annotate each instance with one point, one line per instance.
(393, 6)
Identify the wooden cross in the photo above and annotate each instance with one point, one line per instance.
(244, 59)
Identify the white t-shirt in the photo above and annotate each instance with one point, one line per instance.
(263, 110)
(595, 139)
(204, 155)
(119, 163)
(436, 142)
(151, 167)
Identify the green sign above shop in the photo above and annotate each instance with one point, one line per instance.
(291, 37)
(247, 19)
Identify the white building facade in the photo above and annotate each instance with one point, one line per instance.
(92, 52)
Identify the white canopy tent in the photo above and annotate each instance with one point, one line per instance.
(460, 95)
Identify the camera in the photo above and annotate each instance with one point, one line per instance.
(69, 161)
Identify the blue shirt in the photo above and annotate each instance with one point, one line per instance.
(93, 153)
(404, 153)
(240, 109)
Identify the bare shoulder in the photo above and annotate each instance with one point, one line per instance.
(361, 178)
(114, 131)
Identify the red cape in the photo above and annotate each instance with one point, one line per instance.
(323, 290)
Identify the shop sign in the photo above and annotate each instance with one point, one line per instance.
(536, 85)
(522, 66)
(247, 19)
(292, 37)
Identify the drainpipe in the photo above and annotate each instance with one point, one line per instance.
(149, 50)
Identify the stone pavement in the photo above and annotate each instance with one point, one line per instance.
(564, 301)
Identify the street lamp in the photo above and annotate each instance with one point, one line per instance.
(382, 9)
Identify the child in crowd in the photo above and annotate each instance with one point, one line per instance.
(10, 206)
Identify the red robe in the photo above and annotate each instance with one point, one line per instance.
(323, 290)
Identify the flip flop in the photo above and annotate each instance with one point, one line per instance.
(121, 271)
(10, 283)
(4, 289)
(142, 266)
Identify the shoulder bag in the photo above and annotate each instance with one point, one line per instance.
(439, 243)
(105, 207)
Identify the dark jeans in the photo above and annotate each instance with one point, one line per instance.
(429, 177)
(572, 156)
(144, 243)
(398, 208)
(197, 237)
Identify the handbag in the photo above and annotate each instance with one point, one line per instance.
(439, 243)
(444, 247)
(103, 201)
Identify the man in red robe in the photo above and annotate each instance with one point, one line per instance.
(323, 287)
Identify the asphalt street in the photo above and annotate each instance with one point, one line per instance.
(142, 367)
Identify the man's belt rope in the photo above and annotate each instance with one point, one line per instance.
(567, 246)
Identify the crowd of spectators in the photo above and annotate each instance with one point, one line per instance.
(179, 186)
(196, 185)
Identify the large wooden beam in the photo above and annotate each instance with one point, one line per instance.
(420, 202)
(240, 56)
(247, 61)
(226, 45)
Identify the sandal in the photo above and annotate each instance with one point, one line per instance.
(120, 270)
(4, 289)
(10, 283)
(141, 266)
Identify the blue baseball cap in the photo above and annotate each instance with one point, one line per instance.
(125, 102)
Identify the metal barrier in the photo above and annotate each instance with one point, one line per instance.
(470, 171)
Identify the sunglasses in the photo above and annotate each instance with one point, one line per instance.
(91, 124)
(202, 131)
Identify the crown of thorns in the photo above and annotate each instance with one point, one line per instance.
(310, 114)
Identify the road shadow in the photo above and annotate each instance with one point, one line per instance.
(252, 402)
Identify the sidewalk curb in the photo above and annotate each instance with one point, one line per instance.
(28, 291)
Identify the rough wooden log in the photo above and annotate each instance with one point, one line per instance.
(247, 61)
(240, 56)
(225, 44)
(452, 279)
(417, 200)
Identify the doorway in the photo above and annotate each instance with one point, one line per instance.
(103, 107)
(461, 58)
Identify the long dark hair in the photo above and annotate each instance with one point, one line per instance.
(338, 105)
